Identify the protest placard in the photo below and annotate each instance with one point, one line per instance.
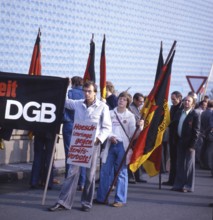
(82, 142)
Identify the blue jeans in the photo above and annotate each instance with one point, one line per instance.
(115, 156)
(67, 133)
(82, 177)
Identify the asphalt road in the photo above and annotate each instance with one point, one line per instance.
(145, 202)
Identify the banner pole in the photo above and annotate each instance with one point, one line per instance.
(49, 171)
(160, 176)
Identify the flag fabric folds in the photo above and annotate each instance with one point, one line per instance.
(160, 63)
(90, 68)
(155, 112)
(35, 65)
(103, 71)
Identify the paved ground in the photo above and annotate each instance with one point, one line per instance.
(145, 201)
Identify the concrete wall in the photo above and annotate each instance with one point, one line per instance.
(20, 149)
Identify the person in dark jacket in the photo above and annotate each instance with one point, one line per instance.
(206, 153)
(176, 98)
(111, 99)
(5, 134)
(186, 122)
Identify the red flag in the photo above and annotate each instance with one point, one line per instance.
(103, 71)
(156, 115)
(35, 65)
(90, 69)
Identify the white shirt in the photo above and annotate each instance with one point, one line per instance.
(182, 118)
(98, 112)
(127, 118)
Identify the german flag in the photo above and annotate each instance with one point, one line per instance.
(35, 65)
(160, 63)
(155, 113)
(90, 68)
(103, 71)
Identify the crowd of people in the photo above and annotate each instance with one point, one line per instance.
(187, 141)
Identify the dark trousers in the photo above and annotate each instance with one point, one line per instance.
(43, 148)
(173, 162)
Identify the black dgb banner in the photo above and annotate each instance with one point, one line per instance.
(32, 103)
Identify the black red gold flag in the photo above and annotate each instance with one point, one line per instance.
(35, 65)
(160, 63)
(103, 71)
(90, 68)
(156, 115)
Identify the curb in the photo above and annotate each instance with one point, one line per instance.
(23, 175)
(10, 177)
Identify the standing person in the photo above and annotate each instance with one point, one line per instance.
(206, 152)
(112, 102)
(5, 134)
(123, 127)
(176, 98)
(165, 151)
(187, 130)
(43, 147)
(89, 110)
(135, 108)
(202, 105)
(111, 98)
(75, 93)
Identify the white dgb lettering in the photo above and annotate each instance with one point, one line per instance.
(41, 113)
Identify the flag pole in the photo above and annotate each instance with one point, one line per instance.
(121, 164)
(209, 76)
(160, 176)
(39, 32)
(160, 179)
(49, 170)
(170, 52)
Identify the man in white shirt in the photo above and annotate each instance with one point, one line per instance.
(89, 110)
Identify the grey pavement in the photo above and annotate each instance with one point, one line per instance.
(145, 200)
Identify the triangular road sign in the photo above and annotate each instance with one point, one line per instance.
(196, 82)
